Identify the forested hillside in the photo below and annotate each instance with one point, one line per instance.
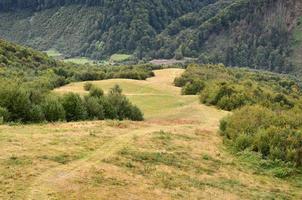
(261, 34)
(12, 55)
(28, 76)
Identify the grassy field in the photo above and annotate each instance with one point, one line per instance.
(53, 53)
(80, 60)
(119, 57)
(176, 153)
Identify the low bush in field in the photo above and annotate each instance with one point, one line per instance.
(96, 92)
(277, 135)
(53, 109)
(18, 104)
(192, 88)
(74, 107)
(87, 86)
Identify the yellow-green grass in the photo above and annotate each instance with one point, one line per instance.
(80, 60)
(156, 99)
(119, 57)
(53, 53)
(175, 154)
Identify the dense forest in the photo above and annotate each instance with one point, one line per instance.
(261, 34)
(266, 109)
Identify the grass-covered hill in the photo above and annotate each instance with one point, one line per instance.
(262, 34)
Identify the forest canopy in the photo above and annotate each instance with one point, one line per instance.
(257, 34)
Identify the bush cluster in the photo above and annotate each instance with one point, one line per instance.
(276, 135)
(18, 104)
(267, 109)
(230, 89)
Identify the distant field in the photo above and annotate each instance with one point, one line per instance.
(176, 153)
(80, 60)
(83, 60)
(53, 53)
(119, 57)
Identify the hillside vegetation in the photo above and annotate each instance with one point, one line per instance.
(261, 34)
(267, 116)
(28, 76)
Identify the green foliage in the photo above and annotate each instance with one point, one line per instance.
(94, 107)
(252, 33)
(74, 107)
(121, 106)
(25, 88)
(262, 166)
(37, 114)
(4, 115)
(36, 70)
(12, 55)
(96, 92)
(275, 135)
(87, 86)
(230, 89)
(193, 88)
(17, 103)
(53, 109)
(267, 110)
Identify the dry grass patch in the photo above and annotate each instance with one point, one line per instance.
(175, 154)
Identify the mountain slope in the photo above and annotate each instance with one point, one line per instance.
(15, 56)
(103, 27)
(259, 34)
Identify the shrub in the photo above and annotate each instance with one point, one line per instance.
(96, 92)
(87, 86)
(37, 114)
(232, 102)
(94, 109)
(193, 88)
(109, 110)
(276, 135)
(136, 114)
(116, 90)
(53, 110)
(243, 142)
(17, 103)
(121, 106)
(74, 107)
(261, 144)
(4, 115)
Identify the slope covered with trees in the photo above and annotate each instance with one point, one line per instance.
(28, 76)
(261, 34)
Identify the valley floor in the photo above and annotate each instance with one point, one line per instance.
(176, 153)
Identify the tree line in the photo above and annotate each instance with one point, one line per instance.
(23, 105)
